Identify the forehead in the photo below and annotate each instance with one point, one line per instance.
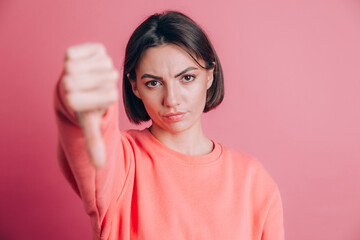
(166, 58)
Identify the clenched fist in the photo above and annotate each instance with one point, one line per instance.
(90, 87)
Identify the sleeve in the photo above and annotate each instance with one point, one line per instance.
(274, 225)
(100, 190)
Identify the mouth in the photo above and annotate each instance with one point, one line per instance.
(174, 117)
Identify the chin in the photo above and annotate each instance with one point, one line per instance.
(177, 127)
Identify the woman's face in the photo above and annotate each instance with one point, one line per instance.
(172, 87)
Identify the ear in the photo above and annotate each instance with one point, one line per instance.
(210, 77)
(134, 87)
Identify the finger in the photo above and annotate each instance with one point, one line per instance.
(85, 101)
(89, 81)
(85, 50)
(94, 142)
(98, 63)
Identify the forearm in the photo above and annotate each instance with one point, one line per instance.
(97, 188)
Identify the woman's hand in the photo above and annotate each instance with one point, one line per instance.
(90, 87)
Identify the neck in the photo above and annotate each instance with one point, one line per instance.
(190, 142)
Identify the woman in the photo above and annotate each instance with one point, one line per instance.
(168, 181)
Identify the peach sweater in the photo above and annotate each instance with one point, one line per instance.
(149, 191)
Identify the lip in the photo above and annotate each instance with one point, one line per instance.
(174, 117)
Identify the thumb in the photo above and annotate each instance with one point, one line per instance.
(90, 123)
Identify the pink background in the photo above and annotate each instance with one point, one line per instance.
(292, 99)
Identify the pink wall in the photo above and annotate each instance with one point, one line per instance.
(292, 100)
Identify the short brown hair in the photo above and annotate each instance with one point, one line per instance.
(169, 27)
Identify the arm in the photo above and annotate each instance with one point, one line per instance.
(274, 225)
(100, 189)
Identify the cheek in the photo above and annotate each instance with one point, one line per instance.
(203, 89)
(151, 102)
(198, 96)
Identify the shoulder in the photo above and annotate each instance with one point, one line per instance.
(138, 136)
(133, 134)
(136, 133)
(139, 139)
(239, 157)
(242, 159)
(249, 168)
(258, 189)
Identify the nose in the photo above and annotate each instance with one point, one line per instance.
(172, 95)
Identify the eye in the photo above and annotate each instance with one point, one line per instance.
(152, 83)
(188, 78)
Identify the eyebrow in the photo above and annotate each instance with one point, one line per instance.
(146, 75)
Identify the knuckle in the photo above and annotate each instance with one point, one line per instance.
(116, 74)
(66, 83)
(108, 61)
(71, 50)
(69, 67)
(114, 95)
(71, 101)
(101, 48)
(113, 75)
(68, 53)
